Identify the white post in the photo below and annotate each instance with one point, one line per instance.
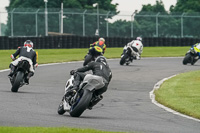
(61, 25)
(12, 22)
(84, 22)
(0, 23)
(97, 30)
(182, 24)
(46, 18)
(157, 24)
(132, 16)
(107, 25)
(98, 18)
(36, 24)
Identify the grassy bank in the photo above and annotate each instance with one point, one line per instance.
(181, 93)
(48, 130)
(64, 55)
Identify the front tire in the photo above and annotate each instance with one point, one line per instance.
(82, 104)
(18, 80)
(123, 59)
(187, 59)
(61, 110)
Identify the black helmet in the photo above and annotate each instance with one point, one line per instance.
(101, 59)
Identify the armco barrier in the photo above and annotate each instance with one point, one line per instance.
(72, 41)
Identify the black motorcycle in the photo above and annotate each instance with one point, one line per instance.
(20, 73)
(84, 98)
(92, 55)
(191, 56)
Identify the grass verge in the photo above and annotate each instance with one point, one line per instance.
(181, 93)
(65, 55)
(49, 130)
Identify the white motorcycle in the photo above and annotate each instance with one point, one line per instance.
(130, 52)
(84, 98)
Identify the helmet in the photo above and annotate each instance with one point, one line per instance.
(139, 38)
(101, 59)
(28, 43)
(101, 42)
(102, 39)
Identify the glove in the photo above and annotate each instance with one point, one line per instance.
(12, 57)
(36, 65)
(72, 72)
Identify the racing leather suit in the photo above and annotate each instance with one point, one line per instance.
(98, 69)
(138, 45)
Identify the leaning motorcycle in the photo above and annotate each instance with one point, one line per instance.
(191, 56)
(128, 55)
(20, 73)
(84, 98)
(92, 54)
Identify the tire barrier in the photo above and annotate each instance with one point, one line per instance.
(72, 41)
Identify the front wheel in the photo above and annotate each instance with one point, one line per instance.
(81, 103)
(61, 110)
(17, 82)
(123, 59)
(187, 59)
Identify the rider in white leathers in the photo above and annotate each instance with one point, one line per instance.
(137, 44)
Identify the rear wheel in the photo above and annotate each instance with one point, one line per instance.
(123, 59)
(18, 80)
(88, 58)
(81, 104)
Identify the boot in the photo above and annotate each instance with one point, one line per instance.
(12, 70)
(94, 101)
(26, 80)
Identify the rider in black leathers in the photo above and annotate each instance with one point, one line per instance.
(99, 67)
(25, 53)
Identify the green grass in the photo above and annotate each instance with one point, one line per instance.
(181, 93)
(65, 55)
(49, 130)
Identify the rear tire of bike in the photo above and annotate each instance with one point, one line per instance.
(82, 104)
(18, 80)
(187, 59)
(123, 59)
(88, 58)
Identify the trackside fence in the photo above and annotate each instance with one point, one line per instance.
(71, 41)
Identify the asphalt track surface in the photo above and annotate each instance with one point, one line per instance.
(126, 105)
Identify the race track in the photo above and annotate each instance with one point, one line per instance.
(126, 105)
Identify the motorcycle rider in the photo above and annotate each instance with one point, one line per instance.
(137, 44)
(97, 48)
(99, 44)
(197, 45)
(99, 67)
(25, 53)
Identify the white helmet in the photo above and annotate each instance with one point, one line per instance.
(28, 43)
(139, 38)
(101, 39)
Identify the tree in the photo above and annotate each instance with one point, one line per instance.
(189, 8)
(24, 24)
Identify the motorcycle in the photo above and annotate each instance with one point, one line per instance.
(191, 56)
(128, 55)
(20, 73)
(92, 54)
(84, 98)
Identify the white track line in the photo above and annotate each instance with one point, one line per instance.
(152, 97)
